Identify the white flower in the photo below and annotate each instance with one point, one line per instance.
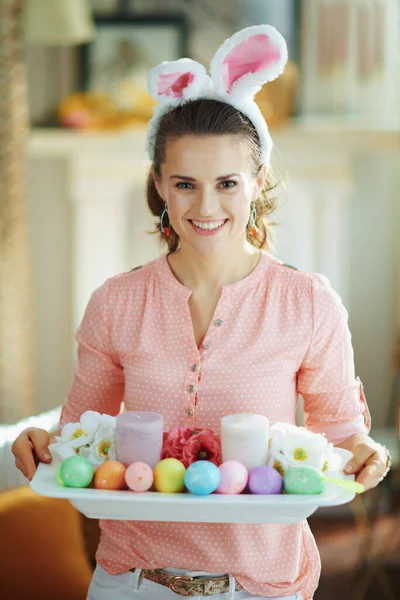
(108, 420)
(292, 446)
(82, 433)
(102, 447)
(82, 438)
(60, 451)
(333, 463)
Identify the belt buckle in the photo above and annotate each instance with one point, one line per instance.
(174, 580)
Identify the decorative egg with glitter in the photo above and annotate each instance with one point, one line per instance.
(139, 477)
(265, 480)
(110, 475)
(304, 480)
(76, 472)
(202, 477)
(169, 476)
(234, 477)
(58, 475)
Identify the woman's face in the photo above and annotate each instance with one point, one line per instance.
(208, 186)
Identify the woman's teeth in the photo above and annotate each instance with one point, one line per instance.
(213, 225)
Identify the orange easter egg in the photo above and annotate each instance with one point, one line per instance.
(110, 476)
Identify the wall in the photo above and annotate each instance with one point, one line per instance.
(374, 271)
(50, 211)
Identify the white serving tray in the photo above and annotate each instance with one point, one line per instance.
(186, 507)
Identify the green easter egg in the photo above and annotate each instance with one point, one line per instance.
(303, 480)
(59, 476)
(76, 472)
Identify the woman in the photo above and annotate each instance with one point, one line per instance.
(218, 326)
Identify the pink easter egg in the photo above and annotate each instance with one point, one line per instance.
(234, 477)
(139, 477)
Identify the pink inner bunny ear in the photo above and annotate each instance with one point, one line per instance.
(249, 56)
(172, 85)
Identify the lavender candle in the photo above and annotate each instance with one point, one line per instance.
(139, 437)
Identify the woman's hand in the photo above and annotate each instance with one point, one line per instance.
(30, 448)
(368, 463)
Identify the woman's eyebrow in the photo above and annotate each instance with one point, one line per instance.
(182, 177)
(228, 176)
(185, 178)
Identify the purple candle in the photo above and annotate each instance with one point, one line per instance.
(139, 437)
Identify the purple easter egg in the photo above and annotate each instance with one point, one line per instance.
(265, 480)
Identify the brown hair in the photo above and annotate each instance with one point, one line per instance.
(210, 117)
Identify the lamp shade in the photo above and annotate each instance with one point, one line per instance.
(60, 22)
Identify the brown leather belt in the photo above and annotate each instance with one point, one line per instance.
(185, 585)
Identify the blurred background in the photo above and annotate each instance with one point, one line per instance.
(73, 114)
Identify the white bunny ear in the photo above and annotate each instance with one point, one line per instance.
(248, 59)
(175, 82)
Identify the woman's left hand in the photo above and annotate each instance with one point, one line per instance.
(368, 463)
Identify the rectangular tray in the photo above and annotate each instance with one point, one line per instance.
(186, 507)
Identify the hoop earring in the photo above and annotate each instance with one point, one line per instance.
(253, 229)
(166, 231)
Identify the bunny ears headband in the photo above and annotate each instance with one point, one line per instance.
(244, 62)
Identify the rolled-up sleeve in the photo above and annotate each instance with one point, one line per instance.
(334, 400)
(98, 382)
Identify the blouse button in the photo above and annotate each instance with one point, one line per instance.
(189, 412)
(194, 367)
(207, 345)
(190, 388)
(218, 322)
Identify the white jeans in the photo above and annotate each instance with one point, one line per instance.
(126, 586)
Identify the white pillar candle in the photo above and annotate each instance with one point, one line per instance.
(245, 438)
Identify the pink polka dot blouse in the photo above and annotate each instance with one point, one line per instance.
(274, 334)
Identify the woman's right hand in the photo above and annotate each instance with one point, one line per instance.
(30, 448)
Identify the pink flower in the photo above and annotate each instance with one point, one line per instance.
(189, 444)
(178, 437)
(170, 452)
(202, 446)
(174, 442)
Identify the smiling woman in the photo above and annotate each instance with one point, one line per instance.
(216, 327)
(197, 143)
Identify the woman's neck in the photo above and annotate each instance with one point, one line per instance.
(203, 273)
